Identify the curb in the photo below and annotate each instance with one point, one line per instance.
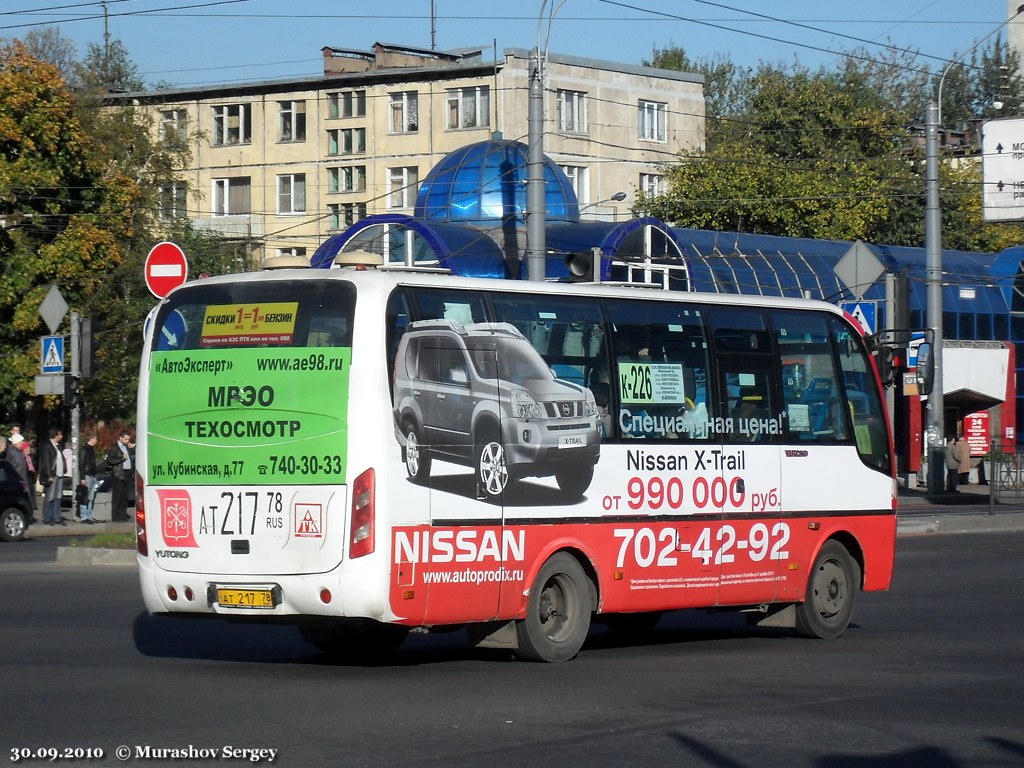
(95, 556)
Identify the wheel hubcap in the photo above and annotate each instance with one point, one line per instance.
(830, 589)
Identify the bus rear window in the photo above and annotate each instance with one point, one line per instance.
(257, 315)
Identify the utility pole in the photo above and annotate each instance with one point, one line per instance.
(536, 244)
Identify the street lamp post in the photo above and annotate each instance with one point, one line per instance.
(618, 197)
(935, 416)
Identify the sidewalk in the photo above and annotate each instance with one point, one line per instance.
(101, 512)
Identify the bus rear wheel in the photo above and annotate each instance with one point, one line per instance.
(557, 612)
(831, 595)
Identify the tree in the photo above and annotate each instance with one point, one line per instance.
(108, 67)
(79, 189)
(828, 154)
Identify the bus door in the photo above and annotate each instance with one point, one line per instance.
(467, 523)
(748, 475)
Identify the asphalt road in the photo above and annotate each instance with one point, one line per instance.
(930, 674)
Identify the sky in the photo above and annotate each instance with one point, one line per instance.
(207, 42)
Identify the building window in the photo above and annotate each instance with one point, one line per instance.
(652, 121)
(346, 104)
(402, 186)
(345, 214)
(232, 196)
(292, 252)
(651, 184)
(346, 141)
(232, 124)
(174, 127)
(350, 178)
(291, 193)
(173, 201)
(572, 111)
(404, 112)
(469, 107)
(293, 120)
(577, 175)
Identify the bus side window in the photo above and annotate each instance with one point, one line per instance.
(463, 307)
(659, 381)
(812, 396)
(396, 319)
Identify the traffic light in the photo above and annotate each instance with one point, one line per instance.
(72, 392)
(888, 364)
(581, 267)
(87, 364)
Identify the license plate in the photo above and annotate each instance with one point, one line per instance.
(572, 441)
(245, 598)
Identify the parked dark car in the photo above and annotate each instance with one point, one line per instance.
(15, 509)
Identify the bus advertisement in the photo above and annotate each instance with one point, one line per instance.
(362, 452)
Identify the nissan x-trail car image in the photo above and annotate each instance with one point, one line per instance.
(480, 395)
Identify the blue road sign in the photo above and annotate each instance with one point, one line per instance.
(864, 312)
(53, 354)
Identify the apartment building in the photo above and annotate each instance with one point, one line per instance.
(282, 165)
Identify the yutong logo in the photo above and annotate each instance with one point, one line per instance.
(171, 553)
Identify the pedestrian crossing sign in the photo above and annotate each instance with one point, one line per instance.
(53, 354)
(864, 312)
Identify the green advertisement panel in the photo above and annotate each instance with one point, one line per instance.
(248, 416)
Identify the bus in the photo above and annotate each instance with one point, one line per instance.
(364, 451)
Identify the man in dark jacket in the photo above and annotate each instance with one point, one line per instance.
(51, 475)
(121, 470)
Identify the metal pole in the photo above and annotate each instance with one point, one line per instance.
(935, 432)
(76, 414)
(536, 245)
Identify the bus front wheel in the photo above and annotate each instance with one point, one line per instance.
(557, 612)
(831, 594)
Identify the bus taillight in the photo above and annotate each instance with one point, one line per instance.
(141, 544)
(361, 536)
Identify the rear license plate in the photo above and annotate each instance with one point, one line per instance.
(245, 598)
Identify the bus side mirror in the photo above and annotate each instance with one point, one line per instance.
(925, 368)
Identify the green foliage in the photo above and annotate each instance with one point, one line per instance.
(79, 193)
(830, 153)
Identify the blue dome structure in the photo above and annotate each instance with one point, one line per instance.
(485, 182)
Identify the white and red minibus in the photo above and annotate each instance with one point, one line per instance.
(364, 451)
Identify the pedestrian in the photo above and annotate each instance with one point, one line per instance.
(11, 452)
(965, 460)
(952, 464)
(87, 484)
(19, 441)
(51, 475)
(120, 463)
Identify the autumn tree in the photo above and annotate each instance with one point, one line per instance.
(79, 202)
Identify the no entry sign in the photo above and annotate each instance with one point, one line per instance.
(166, 269)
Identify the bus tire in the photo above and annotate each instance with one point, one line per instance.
(492, 476)
(558, 612)
(831, 595)
(573, 480)
(417, 458)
